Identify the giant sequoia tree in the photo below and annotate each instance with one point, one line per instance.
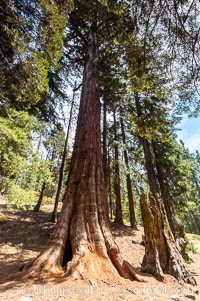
(81, 241)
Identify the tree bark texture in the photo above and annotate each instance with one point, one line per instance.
(81, 245)
(161, 252)
(164, 192)
(128, 181)
(117, 188)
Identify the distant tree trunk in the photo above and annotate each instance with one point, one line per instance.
(81, 244)
(61, 171)
(109, 187)
(117, 188)
(39, 202)
(161, 252)
(105, 153)
(37, 207)
(128, 181)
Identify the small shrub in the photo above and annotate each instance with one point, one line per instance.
(48, 200)
(196, 236)
(20, 198)
(190, 247)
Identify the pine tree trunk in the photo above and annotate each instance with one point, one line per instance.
(61, 171)
(110, 187)
(81, 244)
(128, 181)
(37, 207)
(117, 188)
(161, 252)
(105, 153)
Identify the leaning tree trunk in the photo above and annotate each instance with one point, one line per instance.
(161, 253)
(128, 181)
(81, 244)
(38, 205)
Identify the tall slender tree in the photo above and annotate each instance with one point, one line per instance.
(64, 155)
(128, 180)
(117, 187)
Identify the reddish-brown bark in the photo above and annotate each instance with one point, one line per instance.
(161, 252)
(81, 244)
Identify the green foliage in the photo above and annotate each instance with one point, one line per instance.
(53, 26)
(196, 236)
(15, 142)
(186, 248)
(32, 45)
(191, 247)
(19, 198)
(33, 82)
(33, 237)
(48, 200)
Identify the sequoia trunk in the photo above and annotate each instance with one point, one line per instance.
(81, 244)
(164, 192)
(161, 252)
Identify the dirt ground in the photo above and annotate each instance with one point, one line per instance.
(23, 234)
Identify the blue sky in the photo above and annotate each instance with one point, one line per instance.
(190, 133)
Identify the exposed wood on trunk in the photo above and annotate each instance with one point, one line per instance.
(128, 181)
(161, 253)
(164, 192)
(61, 171)
(117, 188)
(83, 223)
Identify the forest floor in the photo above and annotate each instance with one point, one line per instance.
(24, 233)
